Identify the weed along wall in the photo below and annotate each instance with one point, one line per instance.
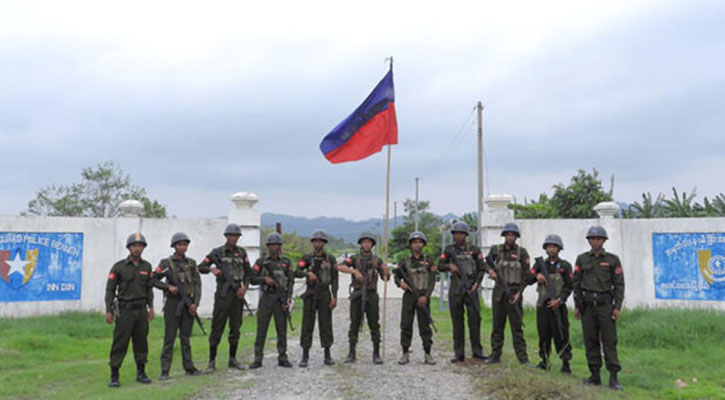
(53, 264)
(668, 262)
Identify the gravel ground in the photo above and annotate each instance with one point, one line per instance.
(350, 381)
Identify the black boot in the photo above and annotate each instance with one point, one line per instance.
(141, 374)
(212, 363)
(593, 379)
(351, 355)
(543, 365)
(234, 364)
(565, 368)
(305, 358)
(613, 382)
(493, 359)
(114, 378)
(164, 375)
(458, 359)
(328, 357)
(256, 364)
(376, 354)
(282, 361)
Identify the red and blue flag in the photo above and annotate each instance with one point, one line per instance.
(370, 127)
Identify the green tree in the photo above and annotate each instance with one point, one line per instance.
(99, 194)
(681, 205)
(576, 200)
(428, 223)
(648, 208)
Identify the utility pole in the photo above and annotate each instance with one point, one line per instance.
(479, 199)
(395, 214)
(416, 204)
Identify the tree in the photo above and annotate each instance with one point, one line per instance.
(648, 208)
(681, 206)
(100, 192)
(428, 223)
(576, 200)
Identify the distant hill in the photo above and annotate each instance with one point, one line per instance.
(339, 227)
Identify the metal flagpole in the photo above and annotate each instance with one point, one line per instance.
(385, 249)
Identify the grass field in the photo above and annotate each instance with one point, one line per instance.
(656, 347)
(66, 356)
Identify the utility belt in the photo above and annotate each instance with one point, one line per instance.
(592, 298)
(132, 305)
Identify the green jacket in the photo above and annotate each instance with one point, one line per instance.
(560, 275)
(185, 273)
(282, 270)
(601, 273)
(129, 282)
(327, 265)
(236, 258)
(421, 271)
(515, 264)
(468, 258)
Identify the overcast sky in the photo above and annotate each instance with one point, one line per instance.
(198, 100)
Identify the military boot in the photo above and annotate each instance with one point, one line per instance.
(429, 358)
(405, 358)
(593, 379)
(305, 358)
(164, 375)
(542, 365)
(565, 368)
(211, 367)
(328, 357)
(351, 355)
(234, 364)
(141, 374)
(256, 364)
(613, 382)
(282, 361)
(376, 354)
(114, 378)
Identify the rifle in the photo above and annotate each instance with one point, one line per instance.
(501, 280)
(551, 295)
(186, 301)
(314, 290)
(416, 294)
(229, 282)
(281, 292)
(362, 292)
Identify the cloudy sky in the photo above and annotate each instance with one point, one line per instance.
(198, 100)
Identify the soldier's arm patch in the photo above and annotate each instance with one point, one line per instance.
(533, 271)
(207, 260)
(443, 256)
(577, 268)
(112, 276)
(257, 268)
(301, 263)
(618, 271)
(480, 255)
(159, 269)
(348, 260)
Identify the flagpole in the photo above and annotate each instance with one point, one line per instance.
(385, 239)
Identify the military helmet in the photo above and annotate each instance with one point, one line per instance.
(418, 235)
(233, 229)
(274, 238)
(460, 227)
(366, 235)
(319, 235)
(511, 227)
(136, 238)
(597, 231)
(553, 239)
(179, 237)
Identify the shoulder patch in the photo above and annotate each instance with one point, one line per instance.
(348, 260)
(159, 269)
(257, 267)
(533, 271)
(112, 276)
(207, 260)
(443, 256)
(618, 271)
(301, 263)
(577, 268)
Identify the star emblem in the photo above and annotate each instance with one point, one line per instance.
(17, 265)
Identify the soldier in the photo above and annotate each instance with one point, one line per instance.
(416, 275)
(275, 274)
(598, 294)
(129, 287)
(365, 268)
(465, 264)
(320, 269)
(178, 316)
(230, 265)
(552, 320)
(512, 261)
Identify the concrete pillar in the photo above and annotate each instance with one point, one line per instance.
(248, 217)
(131, 208)
(495, 214)
(606, 209)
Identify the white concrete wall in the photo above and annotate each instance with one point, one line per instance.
(104, 242)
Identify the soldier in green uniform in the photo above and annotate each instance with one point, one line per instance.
(552, 320)
(229, 263)
(178, 316)
(275, 274)
(320, 269)
(130, 300)
(464, 261)
(512, 261)
(598, 294)
(364, 300)
(420, 271)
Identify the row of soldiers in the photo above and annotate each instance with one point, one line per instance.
(598, 298)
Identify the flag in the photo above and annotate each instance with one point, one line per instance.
(370, 127)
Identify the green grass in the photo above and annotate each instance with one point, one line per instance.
(656, 347)
(66, 356)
